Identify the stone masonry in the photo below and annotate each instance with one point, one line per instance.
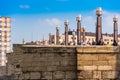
(43, 63)
(34, 62)
(98, 63)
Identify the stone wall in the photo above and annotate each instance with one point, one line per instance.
(98, 63)
(64, 62)
(44, 63)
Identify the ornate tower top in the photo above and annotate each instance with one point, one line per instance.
(50, 33)
(115, 18)
(78, 18)
(57, 27)
(84, 28)
(99, 11)
(66, 22)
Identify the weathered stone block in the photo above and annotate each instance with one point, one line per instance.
(97, 74)
(27, 64)
(89, 49)
(66, 68)
(52, 63)
(70, 75)
(42, 63)
(87, 57)
(105, 67)
(105, 49)
(86, 63)
(80, 67)
(64, 63)
(59, 75)
(35, 75)
(90, 67)
(72, 63)
(116, 67)
(112, 62)
(109, 74)
(98, 63)
(107, 57)
(28, 59)
(51, 68)
(85, 75)
(26, 76)
(42, 68)
(47, 75)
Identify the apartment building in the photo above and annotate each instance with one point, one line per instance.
(4, 39)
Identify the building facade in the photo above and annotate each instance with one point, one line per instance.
(89, 38)
(4, 39)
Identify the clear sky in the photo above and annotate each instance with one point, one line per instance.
(31, 19)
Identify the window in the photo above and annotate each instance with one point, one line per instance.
(17, 66)
(5, 40)
(5, 27)
(4, 24)
(5, 36)
(89, 39)
(5, 51)
(0, 26)
(5, 43)
(5, 31)
(106, 39)
(5, 46)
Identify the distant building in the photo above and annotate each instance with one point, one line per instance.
(4, 39)
(89, 38)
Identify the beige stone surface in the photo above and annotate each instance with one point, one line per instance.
(47, 75)
(109, 74)
(90, 67)
(102, 63)
(105, 67)
(80, 67)
(97, 74)
(107, 57)
(35, 75)
(65, 62)
(70, 75)
(27, 76)
(59, 75)
(87, 63)
(85, 75)
(88, 57)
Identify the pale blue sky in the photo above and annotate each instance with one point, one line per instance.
(31, 19)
